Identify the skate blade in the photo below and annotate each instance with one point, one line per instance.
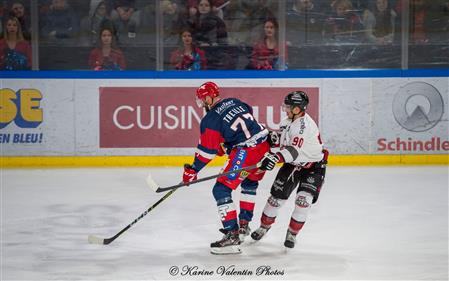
(229, 250)
(250, 242)
(287, 250)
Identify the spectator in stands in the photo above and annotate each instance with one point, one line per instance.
(18, 10)
(188, 56)
(379, 22)
(245, 19)
(94, 5)
(216, 7)
(304, 23)
(124, 9)
(2, 12)
(94, 23)
(15, 51)
(208, 29)
(126, 19)
(172, 17)
(266, 52)
(419, 20)
(107, 56)
(343, 24)
(43, 9)
(234, 17)
(61, 22)
(260, 11)
(439, 29)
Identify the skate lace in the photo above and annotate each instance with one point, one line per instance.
(228, 239)
(244, 229)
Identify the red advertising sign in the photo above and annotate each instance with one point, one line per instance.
(134, 117)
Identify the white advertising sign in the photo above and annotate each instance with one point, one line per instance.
(51, 117)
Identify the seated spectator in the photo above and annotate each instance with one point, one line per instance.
(2, 15)
(259, 12)
(188, 56)
(216, 7)
(126, 20)
(91, 25)
(343, 24)
(419, 21)
(172, 22)
(439, 28)
(379, 22)
(18, 10)
(234, 17)
(429, 20)
(43, 10)
(94, 4)
(107, 56)
(245, 19)
(15, 51)
(208, 29)
(124, 8)
(266, 52)
(304, 23)
(61, 23)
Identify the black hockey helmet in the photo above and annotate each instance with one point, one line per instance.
(297, 98)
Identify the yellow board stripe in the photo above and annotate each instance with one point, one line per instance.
(146, 161)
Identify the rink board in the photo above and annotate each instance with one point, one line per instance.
(154, 122)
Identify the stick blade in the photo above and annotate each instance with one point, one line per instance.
(151, 183)
(92, 239)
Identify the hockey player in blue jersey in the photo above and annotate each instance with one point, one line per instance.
(230, 127)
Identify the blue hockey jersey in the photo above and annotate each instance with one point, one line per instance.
(230, 122)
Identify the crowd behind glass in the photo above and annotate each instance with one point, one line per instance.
(223, 34)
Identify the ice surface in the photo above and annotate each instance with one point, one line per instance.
(382, 223)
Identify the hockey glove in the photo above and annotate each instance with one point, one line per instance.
(269, 161)
(273, 139)
(189, 174)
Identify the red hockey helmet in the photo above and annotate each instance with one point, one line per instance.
(208, 89)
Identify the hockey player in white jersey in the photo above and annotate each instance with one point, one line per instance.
(301, 151)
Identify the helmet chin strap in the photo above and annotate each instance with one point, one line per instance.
(208, 107)
(300, 114)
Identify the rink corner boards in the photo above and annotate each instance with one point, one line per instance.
(173, 161)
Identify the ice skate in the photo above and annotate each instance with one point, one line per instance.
(259, 233)
(244, 230)
(229, 244)
(290, 240)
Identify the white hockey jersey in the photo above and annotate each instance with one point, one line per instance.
(300, 141)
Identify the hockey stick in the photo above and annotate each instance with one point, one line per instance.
(105, 241)
(158, 189)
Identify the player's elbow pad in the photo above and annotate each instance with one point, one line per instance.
(289, 153)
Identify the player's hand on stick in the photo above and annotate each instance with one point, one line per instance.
(189, 174)
(268, 161)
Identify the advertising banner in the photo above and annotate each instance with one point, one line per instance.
(409, 117)
(90, 117)
(169, 117)
(36, 118)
